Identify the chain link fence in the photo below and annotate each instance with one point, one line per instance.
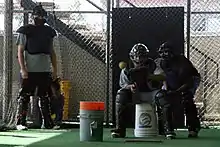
(80, 46)
(81, 43)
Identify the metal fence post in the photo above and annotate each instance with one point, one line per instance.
(7, 56)
(188, 27)
(108, 46)
(117, 3)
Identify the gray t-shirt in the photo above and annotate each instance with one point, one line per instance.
(35, 63)
(124, 80)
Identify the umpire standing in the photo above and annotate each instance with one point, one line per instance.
(35, 57)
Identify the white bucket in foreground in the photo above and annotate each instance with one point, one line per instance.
(145, 121)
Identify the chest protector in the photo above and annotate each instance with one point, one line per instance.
(178, 71)
(139, 75)
(39, 38)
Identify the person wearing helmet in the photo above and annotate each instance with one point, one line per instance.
(132, 80)
(35, 57)
(182, 80)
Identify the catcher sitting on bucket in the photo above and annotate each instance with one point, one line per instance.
(140, 78)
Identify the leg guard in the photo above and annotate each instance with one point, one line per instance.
(123, 98)
(160, 121)
(163, 101)
(23, 100)
(193, 121)
(45, 112)
(120, 116)
(59, 110)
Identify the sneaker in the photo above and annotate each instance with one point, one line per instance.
(56, 127)
(117, 133)
(171, 135)
(21, 127)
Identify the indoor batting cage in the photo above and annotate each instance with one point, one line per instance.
(93, 36)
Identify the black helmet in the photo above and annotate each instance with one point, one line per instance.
(39, 11)
(139, 53)
(165, 50)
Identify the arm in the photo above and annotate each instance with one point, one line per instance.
(186, 73)
(54, 60)
(21, 42)
(124, 82)
(53, 54)
(185, 86)
(21, 57)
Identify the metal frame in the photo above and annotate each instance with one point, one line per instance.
(7, 57)
(29, 11)
(108, 48)
(188, 28)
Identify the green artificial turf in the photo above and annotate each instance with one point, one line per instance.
(69, 138)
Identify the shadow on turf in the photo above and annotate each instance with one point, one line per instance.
(6, 145)
(19, 136)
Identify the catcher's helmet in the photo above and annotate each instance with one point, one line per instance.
(165, 50)
(139, 53)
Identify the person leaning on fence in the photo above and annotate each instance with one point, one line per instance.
(182, 80)
(35, 56)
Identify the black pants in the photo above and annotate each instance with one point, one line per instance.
(192, 119)
(123, 100)
(41, 81)
(168, 101)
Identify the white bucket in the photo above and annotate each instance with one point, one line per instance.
(145, 121)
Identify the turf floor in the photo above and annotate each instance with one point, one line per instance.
(70, 138)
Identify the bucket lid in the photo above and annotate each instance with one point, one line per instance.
(85, 105)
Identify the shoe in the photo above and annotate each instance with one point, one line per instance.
(56, 127)
(171, 135)
(193, 134)
(118, 133)
(21, 127)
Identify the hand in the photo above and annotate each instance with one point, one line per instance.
(24, 73)
(133, 88)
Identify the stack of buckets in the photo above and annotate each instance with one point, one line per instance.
(91, 121)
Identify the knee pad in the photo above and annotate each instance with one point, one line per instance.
(161, 99)
(123, 96)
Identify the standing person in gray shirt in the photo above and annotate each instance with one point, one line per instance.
(35, 57)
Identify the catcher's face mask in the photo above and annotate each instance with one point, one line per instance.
(165, 51)
(139, 54)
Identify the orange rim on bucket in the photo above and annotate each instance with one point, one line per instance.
(92, 105)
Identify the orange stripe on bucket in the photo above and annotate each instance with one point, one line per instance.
(92, 105)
